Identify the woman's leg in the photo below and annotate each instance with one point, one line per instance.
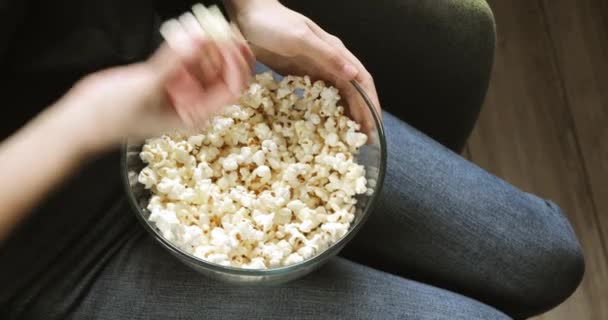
(441, 219)
(431, 59)
(145, 282)
(114, 270)
(444, 221)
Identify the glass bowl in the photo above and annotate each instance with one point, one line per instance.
(372, 156)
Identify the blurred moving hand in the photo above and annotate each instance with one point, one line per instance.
(182, 84)
(291, 43)
(185, 82)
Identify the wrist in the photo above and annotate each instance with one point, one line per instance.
(240, 8)
(79, 128)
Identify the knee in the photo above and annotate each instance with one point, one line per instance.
(470, 41)
(473, 20)
(469, 28)
(555, 266)
(450, 47)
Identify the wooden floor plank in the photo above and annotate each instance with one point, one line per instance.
(579, 33)
(526, 135)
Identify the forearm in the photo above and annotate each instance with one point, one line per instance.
(35, 159)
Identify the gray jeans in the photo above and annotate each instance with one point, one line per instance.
(448, 241)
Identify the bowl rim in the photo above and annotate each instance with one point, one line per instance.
(238, 271)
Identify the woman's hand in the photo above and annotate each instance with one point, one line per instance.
(291, 43)
(187, 80)
(182, 84)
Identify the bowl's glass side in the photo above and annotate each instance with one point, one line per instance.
(371, 155)
(133, 164)
(138, 197)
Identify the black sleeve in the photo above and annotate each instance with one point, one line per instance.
(173, 8)
(49, 45)
(12, 14)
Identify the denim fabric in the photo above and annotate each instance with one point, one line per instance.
(444, 221)
(145, 282)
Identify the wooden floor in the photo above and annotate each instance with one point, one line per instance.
(545, 124)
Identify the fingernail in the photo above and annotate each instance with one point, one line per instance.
(350, 71)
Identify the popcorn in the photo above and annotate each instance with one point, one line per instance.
(147, 177)
(355, 139)
(208, 154)
(230, 163)
(331, 139)
(166, 221)
(196, 140)
(293, 259)
(219, 258)
(270, 181)
(262, 131)
(221, 124)
(263, 220)
(282, 216)
(335, 229)
(170, 187)
(202, 171)
(263, 172)
(256, 263)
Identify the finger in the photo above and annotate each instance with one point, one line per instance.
(226, 90)
(243, 46)
(363, 77)
(236, 71)
(203, 58)
(196, 51)
(282, 65)
(370, 89)
(246, 65)
(356, 107)
(176, 36)
(163, 63)
(326, 55)
(189, 95)
(185, 88)
(179, 73)
(363, 113)
(217, 96)
(353, 106)
(209, 61)
(185, 41)
(162, 114)
(336, 43)
(191, 25)
(184, 93)
(167, 118)
(349, 96)
(203, 67)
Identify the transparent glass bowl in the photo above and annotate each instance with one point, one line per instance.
(372, 156)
